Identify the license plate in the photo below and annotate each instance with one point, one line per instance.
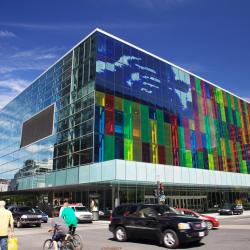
(201, 234)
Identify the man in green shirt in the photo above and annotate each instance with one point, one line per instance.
(68, 214)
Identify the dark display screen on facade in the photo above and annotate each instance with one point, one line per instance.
(38, 126)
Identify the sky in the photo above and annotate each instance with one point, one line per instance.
(210, 38)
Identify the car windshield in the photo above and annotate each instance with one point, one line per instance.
(36, 210)
(26, 210)
(81, 209)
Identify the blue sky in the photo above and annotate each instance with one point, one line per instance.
(210, 37)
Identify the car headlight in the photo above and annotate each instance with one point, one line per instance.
(24, 216)
(39, 216)
(203, 224)
(216, 220)
(183, 226)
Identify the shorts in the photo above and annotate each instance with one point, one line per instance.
(58, 236)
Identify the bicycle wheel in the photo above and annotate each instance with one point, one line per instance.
(48, 244)
(77, 242)
(67, 245)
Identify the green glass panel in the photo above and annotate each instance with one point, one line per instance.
(181, 138)
(128, 125)
(223, 114)
(145, 125)
(200, 160)
(208, 133)
(211, 161)
(244, 166)
(188, 158)
(238, 119)
(198, 86)
(217, 137)
(160, 127)
(236, 106)
(181, 157)
(128, 149)
(239, 156)
(109, 147)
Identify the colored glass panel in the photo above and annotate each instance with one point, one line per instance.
(109, 146)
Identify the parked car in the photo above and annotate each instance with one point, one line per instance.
(231, 209)
(82, 213)
(24, 215)
(211, 221)
(159, 222)
(45, 217)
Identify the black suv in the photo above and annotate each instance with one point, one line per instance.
(24, 215)
(159, 222)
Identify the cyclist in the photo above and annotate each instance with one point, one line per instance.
(68, 214)
(61, 228)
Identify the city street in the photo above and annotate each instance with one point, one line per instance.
(234, 234)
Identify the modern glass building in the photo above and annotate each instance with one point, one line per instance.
(108, 120)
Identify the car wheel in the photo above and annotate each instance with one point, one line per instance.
(209, 225)
(38, 225)
(120, 234)
(170, 239)
(19, 224)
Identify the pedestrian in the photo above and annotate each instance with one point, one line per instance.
(68, 214)
(6, 223)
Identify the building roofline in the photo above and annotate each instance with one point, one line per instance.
(163, 60)
(132, 45)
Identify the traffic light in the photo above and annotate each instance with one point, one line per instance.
(161, 191)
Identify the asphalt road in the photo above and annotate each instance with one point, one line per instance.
(234, 234)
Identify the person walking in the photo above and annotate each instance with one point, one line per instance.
(68, 214)
(6, 222)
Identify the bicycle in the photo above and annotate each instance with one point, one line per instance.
(75, 239)
(63, 243)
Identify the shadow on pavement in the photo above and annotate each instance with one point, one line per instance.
(155, 243)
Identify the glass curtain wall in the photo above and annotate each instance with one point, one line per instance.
(69, 85)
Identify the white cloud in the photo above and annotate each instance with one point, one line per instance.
(14, 87)
(13, 59)
(6, 34)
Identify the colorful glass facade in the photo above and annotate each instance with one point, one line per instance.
(151, 111)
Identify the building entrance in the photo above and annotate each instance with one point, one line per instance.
(198, 203)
